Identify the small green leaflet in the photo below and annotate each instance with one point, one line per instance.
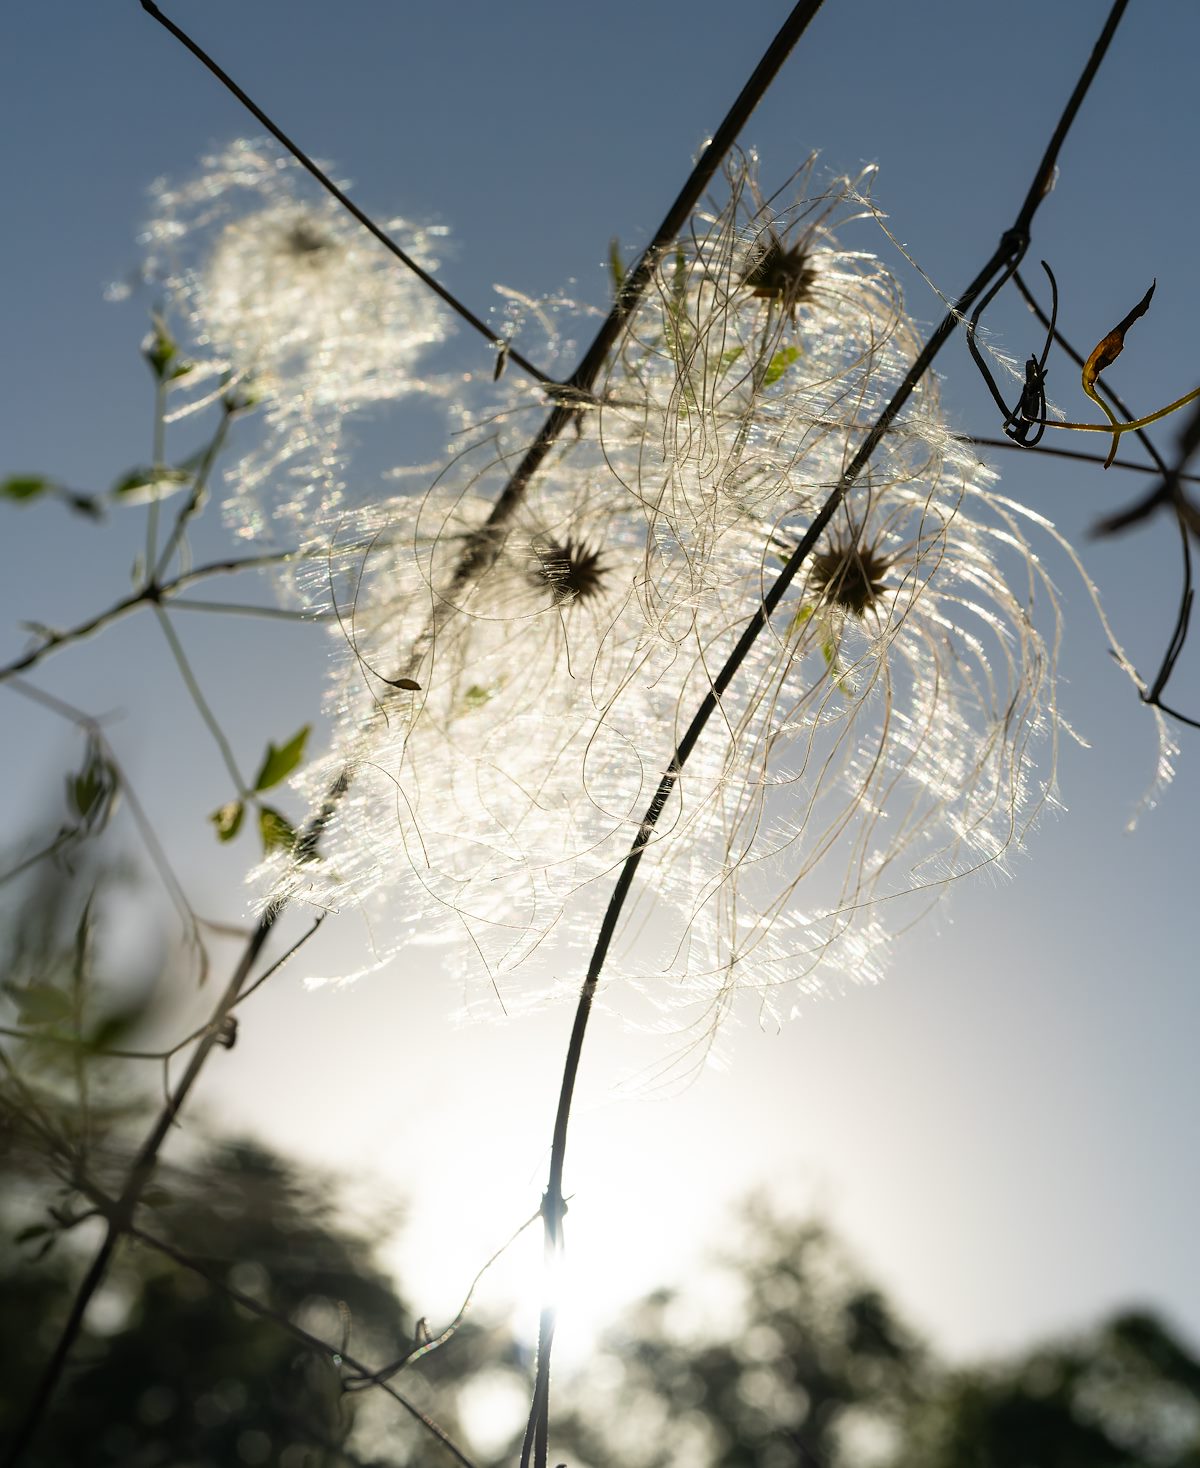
(161, 350)
(275, 829)
(616, 265)
(23, 487)
(41, 1004)
(228, 819)
(829, 645)
(280, 760)
(143, 484)
(92, 792)
(779, 364)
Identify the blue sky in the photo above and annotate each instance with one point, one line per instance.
(1003, 1128)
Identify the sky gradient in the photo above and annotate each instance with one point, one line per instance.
(1002, 1128)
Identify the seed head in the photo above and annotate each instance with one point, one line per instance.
(850, 576)
(779, 273)
(570, 569)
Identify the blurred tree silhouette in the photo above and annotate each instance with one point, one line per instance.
(805, 1363)
(794, 1358)
(810, 1365)
(1127, 1392)
(170, 1368)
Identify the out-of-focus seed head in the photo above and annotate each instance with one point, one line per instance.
(572, 570)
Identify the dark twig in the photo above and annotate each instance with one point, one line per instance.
(1029, 416)
(1045, 450)
(153, 594)
(1168, 493)
(1012, 244)
(344, 199)
(423, 1346)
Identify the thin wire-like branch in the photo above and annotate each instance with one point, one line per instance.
(151, 594)
(196, 495)
(248, 609)
(1012, 244)
(1042, 449)
(64, 838)
(424, 1347)
(197, 696)
(1169, 492)
(223, 1033)
(345, 200)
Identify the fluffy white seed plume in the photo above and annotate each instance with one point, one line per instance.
(289, 297)
(517, 688)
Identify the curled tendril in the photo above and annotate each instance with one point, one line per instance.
(1029, 416)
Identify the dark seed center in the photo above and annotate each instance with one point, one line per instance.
(850, 577)
(781, 274)
(569, 568)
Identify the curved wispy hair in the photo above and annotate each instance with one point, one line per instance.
(761, 348)
(504, 704)
(291, 299)
(514, 688)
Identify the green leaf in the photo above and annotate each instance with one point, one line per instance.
(83, 504)
(92, 792)
(779, 364)
(476, 696)
(280, 760)
(275, 829)
(803, 613)
(143, 484)
(41, 1004)
(112, 1029)
(727, 359)
(616, 265)
(829, 653)
(160, 349)
(228, 819)
(21, 487)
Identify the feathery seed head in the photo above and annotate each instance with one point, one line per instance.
(280, 286)
(855, 764)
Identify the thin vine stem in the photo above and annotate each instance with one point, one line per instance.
(150, 594)
(93, 728)
(196, 694)
(1168, 492)
(196, 496)
(344, 199)
(1012, 246)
